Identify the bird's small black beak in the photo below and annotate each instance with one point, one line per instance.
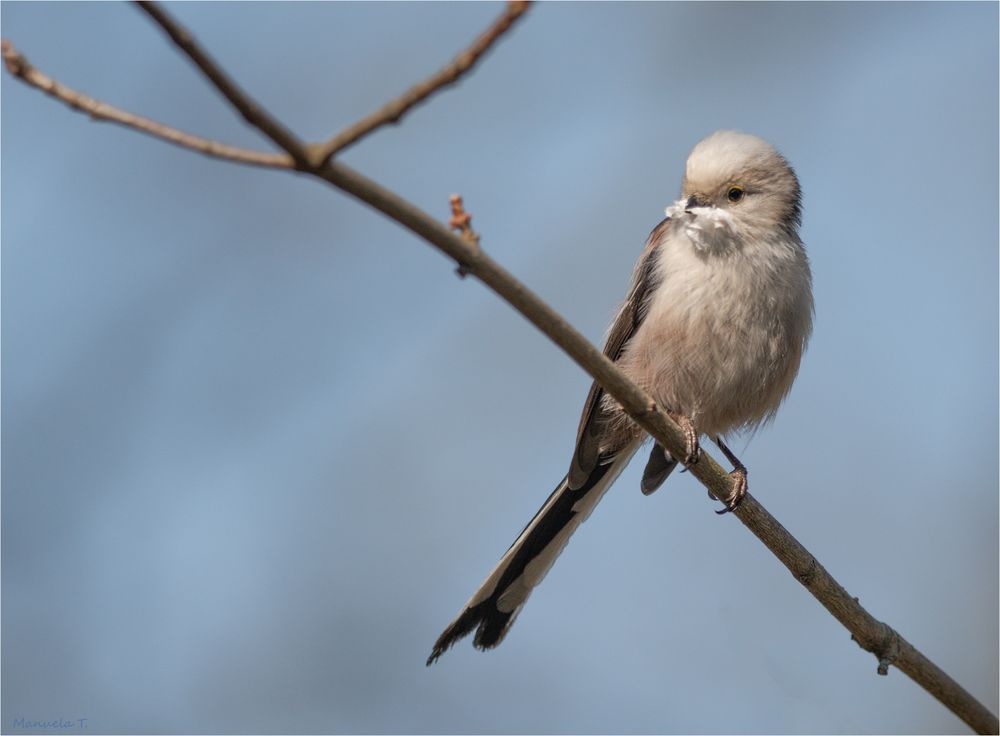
(693, 202)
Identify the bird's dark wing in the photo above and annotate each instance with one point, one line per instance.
(494, 606)
(586, 456)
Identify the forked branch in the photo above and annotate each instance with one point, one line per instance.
(240, 100)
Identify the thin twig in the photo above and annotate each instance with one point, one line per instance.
(20, 67)
(253, 113)
(871, 634)
(393, 111)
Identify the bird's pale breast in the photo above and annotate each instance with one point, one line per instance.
(724, 333)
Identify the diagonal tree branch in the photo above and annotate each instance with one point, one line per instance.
(394, 110)
(888, 646)
(871, 634)
(20, 67)
(244, 104)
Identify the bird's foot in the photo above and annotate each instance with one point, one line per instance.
(738, 491)
(692, 448)
(739, 476)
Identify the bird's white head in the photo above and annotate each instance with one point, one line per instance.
(737, 185)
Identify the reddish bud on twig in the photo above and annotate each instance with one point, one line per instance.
(462, 221)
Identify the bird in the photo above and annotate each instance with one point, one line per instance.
(713, 328)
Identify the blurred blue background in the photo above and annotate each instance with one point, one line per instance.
(260, 443)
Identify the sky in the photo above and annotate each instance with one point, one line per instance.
(260, 443)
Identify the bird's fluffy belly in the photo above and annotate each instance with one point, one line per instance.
(715, 345)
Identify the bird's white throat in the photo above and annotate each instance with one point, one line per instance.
(705, 227)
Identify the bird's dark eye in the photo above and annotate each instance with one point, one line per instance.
(735, 194)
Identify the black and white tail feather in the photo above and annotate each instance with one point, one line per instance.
(493, 608)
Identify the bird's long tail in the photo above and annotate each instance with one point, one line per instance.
(493, 608)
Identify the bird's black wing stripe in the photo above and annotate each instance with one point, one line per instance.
(630, 316)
